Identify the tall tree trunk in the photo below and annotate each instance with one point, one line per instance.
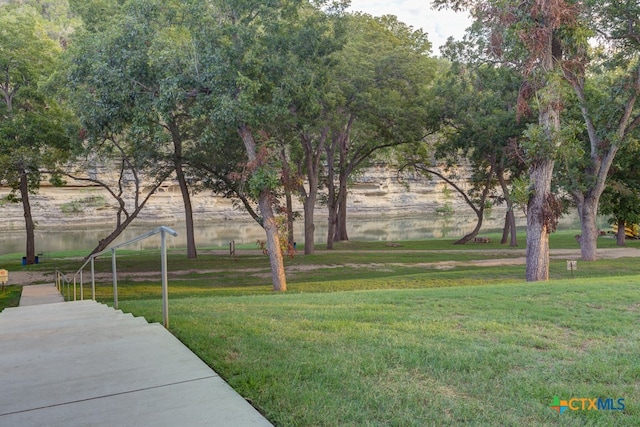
(540, 208)
(621, 235)
(510, 217)
(265, 200)
(506, 229)
(341, 216)
(537, 222)
(188, 212)
(28, 218)
(289, 202)
(288, 186)
(309, 203)
(331, 193)
(184, 188)
(270, 226)
(312, 157)
(589, 230)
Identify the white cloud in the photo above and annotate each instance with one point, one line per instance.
(439, 25)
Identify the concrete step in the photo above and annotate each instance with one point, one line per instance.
(64, 318)
(83, 363)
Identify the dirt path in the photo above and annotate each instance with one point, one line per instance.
(28, 277)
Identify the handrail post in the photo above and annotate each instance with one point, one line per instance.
(57, 281)
(81, 288)
(115, 278)
(93, 280)
(165, 287)
(74, 288)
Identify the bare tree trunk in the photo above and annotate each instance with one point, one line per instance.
(269, 224)
(273, 241)
(312, 157)
(331, 196)
(28, 218)
(286, 177)
(309, 225)
(506, 229)
(184, 188)
(621, 235)
(510, 218)
(589, 230)
(541, 217)
(120, 227)
(290, 219)
(341, 216)
(188, 212)
(537, 222)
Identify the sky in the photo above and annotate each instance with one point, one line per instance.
(439, 25)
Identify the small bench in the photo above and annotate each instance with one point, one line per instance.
(481, 240)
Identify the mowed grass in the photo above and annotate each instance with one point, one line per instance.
(372, 334)
(10, 296)
(483, 355)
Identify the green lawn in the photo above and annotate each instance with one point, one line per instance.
(10, 296)
(489, 355)
(372, 334)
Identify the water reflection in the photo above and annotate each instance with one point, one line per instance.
(219, 234)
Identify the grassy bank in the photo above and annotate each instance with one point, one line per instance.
(408, 334)
(490, 355)
(10, 296)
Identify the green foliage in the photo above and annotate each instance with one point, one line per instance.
(521, 192)
(35, 129)
(263, 179)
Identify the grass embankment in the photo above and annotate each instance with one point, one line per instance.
(387, 337)
(10, 296)
(492, 355)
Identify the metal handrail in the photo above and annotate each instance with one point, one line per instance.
(162, 230)
(61, 279)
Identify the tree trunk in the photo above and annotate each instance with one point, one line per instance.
(476, 230)
(541, 213)
(273, 241)
(188, 212)
(510, 218)
(290, 219)
(589, 236)
(512, 224)
(341, 215)
(331, 193)
(312, 158)
(537, 222)
(184, 188)
(621, 235)
(309, 203)
(28, 218)
(120, 227)
(268, 218)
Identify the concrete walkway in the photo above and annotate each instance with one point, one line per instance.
(85, 364)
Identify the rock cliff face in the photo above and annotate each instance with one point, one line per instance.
(377, 191)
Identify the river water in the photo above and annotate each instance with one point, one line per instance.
(220, 233)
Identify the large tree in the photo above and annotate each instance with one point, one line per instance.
(317, 40)
(475, 107)
(605, 77)
(245, 54)
(33, 125)
(379, 102)
(621, 198)
(133, 78)
(534, 35)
